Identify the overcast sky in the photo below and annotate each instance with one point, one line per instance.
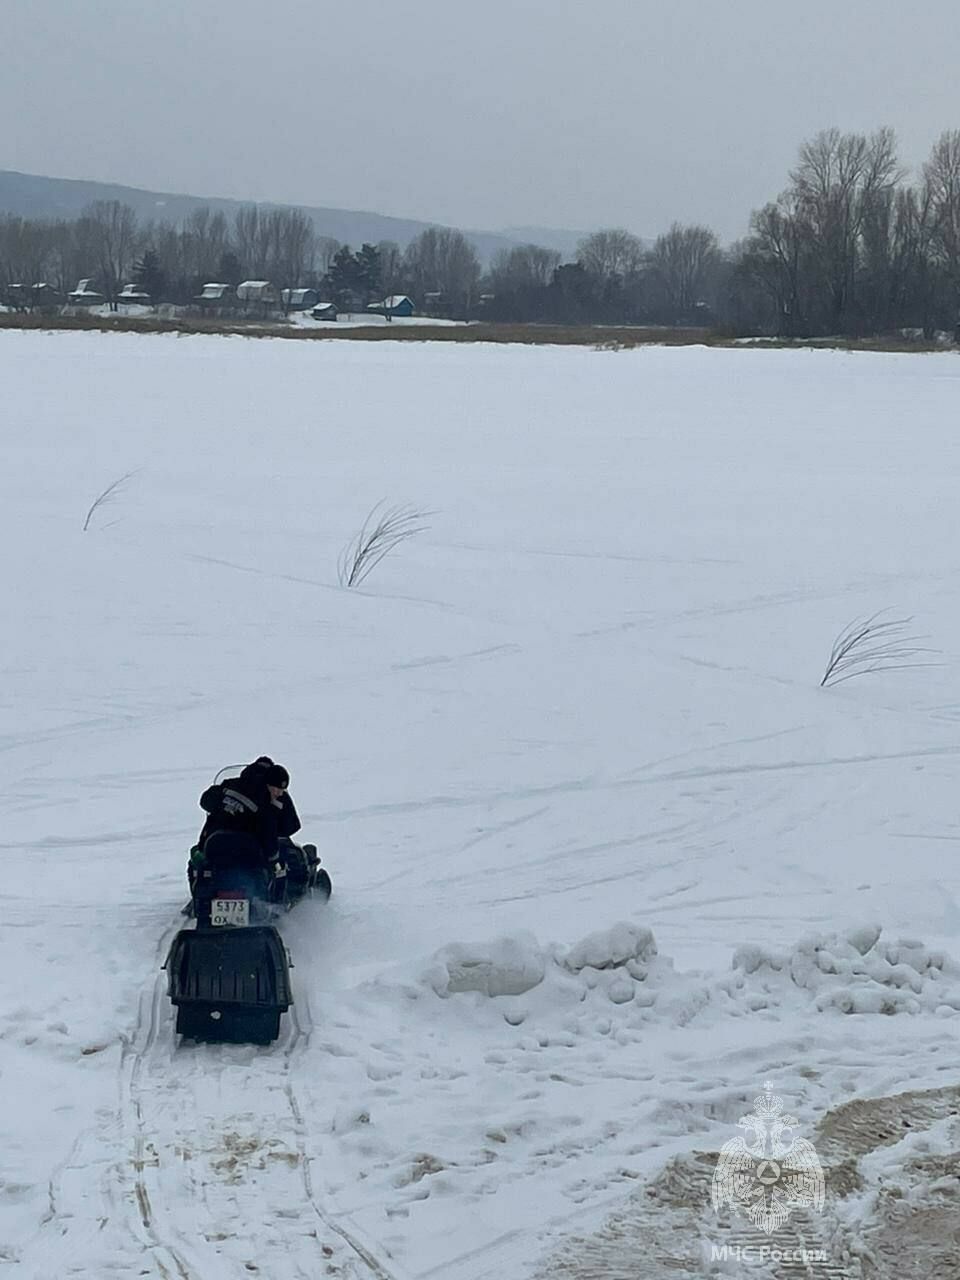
(487, 114)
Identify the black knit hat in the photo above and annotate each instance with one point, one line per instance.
(275, 775)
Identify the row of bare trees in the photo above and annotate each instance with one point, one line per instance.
(615, 278)
(101, 242)
(107, 243)
(849, 247)
(173, 262)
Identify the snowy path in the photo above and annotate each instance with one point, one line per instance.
(202, 1168)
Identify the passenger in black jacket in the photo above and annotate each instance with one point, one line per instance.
(256, 803)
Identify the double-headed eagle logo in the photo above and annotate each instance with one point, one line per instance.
(768, 1171)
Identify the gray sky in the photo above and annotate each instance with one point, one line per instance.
(573, 113)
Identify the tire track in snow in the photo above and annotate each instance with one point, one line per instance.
(142, 1162)
(595, 784)
(443, 856)
(232, 1180)
(302, 1030)
(205, 1160)
(98, 1223)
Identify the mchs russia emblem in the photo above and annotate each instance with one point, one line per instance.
(769, 1170)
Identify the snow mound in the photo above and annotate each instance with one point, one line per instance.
(854, 972)
(612, 948)
(858, 971)
(507, 966)
(614, 958)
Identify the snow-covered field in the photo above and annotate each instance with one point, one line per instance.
(301, 319)
(606, 857)
(368, 320)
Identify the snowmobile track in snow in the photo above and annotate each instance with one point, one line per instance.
(100, 1206)
(147, 1033)
(199, 1184)
(302, 1030)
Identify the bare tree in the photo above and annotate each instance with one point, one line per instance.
(204, 237)
(526, 266)
(325, 249)
(682, 263)
(391, 267)
(941, 177)
(897, 276)
(613, 254)
(443, 260)
(64, 265)
(774, 257)
(112, 231)
(25, 250)
(837, 178)
(918, 285)
(292, 241)
(252, 241)
(382, 531)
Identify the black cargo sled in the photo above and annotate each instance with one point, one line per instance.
(229, 977)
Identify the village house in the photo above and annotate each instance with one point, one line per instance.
(299, 299)
(84, 295)
(258, 298)
(44, 295)
(215, 298)
(132, 295)
(397, 304)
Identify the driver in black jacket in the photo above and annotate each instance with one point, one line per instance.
(256, 803)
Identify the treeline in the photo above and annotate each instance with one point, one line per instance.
(850, 247)
(172, 263)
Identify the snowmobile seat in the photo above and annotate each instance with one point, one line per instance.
(232, 849)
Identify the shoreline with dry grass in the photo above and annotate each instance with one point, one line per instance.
(604, 337)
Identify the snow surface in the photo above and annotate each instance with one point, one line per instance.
(300, 319)
(367, 320)
(606, 857)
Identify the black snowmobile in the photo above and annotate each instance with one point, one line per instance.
(229, 977)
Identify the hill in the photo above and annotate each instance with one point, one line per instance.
(32, 196)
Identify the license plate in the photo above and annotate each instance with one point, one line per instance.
(229, 911)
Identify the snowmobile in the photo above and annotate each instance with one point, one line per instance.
(229, 976)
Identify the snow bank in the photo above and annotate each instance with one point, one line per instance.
(510, 966)
(611, 948)
(505, 967)
(854, 972)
